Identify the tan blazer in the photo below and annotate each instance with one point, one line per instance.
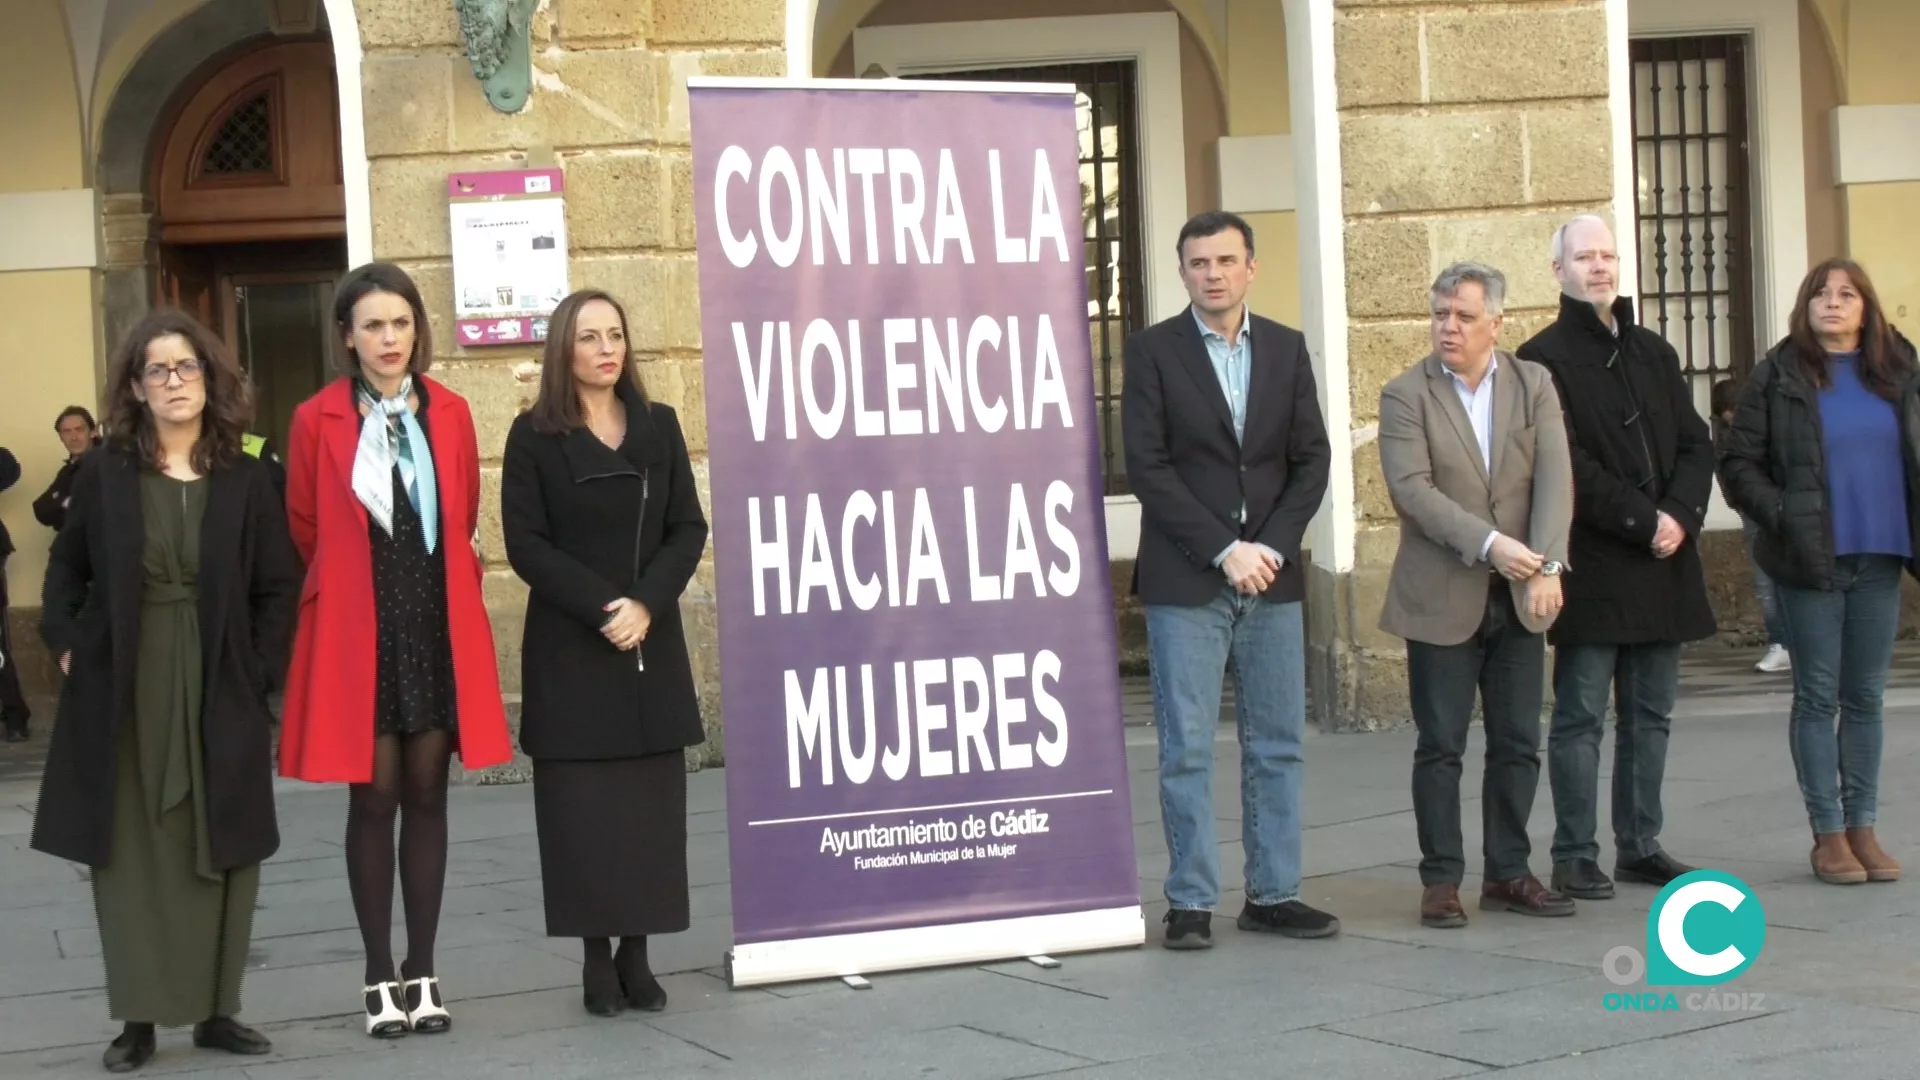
(1448, 503)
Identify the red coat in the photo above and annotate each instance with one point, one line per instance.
(327, 724)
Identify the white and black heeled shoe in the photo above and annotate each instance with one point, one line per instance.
(391, 1021)
(429, 1016)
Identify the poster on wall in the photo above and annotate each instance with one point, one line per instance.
(926, 762)
(509, 253)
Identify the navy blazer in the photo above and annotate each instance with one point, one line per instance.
(1192, 476)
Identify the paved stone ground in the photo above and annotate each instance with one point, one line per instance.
(1388, 999)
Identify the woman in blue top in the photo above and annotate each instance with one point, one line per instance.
(1822, 456)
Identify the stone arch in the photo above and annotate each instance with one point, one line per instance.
(151, 87)
(131, 121)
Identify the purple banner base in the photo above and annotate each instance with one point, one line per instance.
(845, 955)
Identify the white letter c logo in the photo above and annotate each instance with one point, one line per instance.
(1673, 936)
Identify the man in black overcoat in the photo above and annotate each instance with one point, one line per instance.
(1635, 590)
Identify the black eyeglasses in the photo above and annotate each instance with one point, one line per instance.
(160, 374)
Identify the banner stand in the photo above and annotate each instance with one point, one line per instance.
(1034, 938)
(926, 752)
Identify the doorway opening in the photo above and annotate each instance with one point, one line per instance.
(252, 217)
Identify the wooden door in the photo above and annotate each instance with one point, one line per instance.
(280, 329)
(190, 280)
(253, 153)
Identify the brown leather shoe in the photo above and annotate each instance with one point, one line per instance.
(1524, 895)
(1834, 861)
(1440, 907)
(1879, 865)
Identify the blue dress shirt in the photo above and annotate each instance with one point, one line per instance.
(1478, 401)
(1232, 362)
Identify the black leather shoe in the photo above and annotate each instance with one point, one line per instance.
(1582, 880)
(1188, 929)
(1289, 918)
(1656, 869)
(226, 1033)
(131, 1050)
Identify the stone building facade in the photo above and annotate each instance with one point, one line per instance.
(1369, 141)
(1463, 134)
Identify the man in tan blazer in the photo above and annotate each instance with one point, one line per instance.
(1474, 448)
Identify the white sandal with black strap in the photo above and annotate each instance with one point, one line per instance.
(429, 1017)
(391, 1021)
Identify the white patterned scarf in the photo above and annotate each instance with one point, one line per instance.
(392, 435)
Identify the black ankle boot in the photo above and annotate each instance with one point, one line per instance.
(131, 1050)
(642, 990)
(600, 981)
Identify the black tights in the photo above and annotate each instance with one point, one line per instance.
(410, 781)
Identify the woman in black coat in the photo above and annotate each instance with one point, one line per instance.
(1824, 456)
(603, 523)
(170, 599)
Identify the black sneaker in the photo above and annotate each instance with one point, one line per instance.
(1290, 918)
(1188, 929)
(16, 734)
(1656, 869)
(1582, 880)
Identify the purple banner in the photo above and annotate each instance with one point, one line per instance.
(917, 651)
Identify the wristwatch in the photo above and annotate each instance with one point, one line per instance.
(1551, 568)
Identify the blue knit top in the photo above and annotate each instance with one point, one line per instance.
(1866, 474)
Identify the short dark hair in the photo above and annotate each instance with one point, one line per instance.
(75, 410)
(557, 409)
(1210, 223)
(363, 281)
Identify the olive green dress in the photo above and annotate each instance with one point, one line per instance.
(174, 932)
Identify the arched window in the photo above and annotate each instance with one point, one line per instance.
(242, 145)
(253, 151)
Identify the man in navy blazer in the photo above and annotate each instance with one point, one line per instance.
(1228, 455)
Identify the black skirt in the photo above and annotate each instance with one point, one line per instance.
(613, 845)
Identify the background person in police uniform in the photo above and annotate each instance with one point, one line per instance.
(261, 447)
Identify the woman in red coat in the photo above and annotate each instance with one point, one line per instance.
(383, 492)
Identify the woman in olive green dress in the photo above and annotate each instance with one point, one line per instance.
(170, 598)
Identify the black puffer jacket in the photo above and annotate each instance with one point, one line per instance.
(1773, 467)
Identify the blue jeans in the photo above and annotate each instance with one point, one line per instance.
(1763, 588)
(1190, 648)
(1842, 644)
(1643, 681)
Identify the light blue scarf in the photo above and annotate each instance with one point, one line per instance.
(391, 435)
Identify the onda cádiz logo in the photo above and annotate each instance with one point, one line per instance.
(1705, 928)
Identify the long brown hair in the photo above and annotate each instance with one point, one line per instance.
(388, 278)
(229, 407)
(557, 409)
(1884, 369)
